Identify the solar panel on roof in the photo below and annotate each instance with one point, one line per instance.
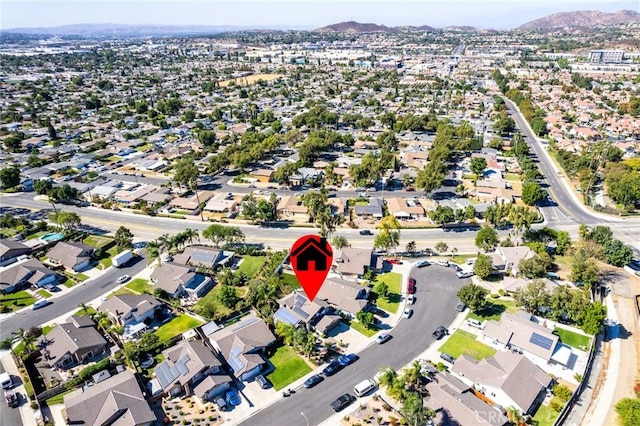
(202, 256)
(541, 341)
(285, 316)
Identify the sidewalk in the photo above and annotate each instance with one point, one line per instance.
(29, 416)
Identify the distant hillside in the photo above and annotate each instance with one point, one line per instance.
(355, 27)
(581, 19)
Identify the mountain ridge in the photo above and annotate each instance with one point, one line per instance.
(580, 19)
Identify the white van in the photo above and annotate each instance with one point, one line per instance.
(364, 387)
(475, 323)
(5, 380)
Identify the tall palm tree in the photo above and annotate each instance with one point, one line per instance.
(191, 234)
(164, 242)
(84, 308)
(153, 251)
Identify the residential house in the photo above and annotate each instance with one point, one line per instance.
(72, 255)
(25, 272)
(404, 209)
(262, 175)
(180, 280)
(72, 342)
(507, 379)
(117, 400)
(355, 262)
(306, 175)
(346, 296)
(147, 165)
(456, 404)
(10, 250)
(131, 311)
(507, 259)
(297, 310)
(374, 208)
(222, 203)
(291, 206)
(519, 332)
(190, 368)
(192, 203)
(207, 257)
(243, 344)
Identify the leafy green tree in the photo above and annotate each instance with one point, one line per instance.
(123, 238)
(534, 267)
(366, 318)
(66, 220)
(411, 247)
(339, 242)
(219, 233)
(478, 166)
(381, 289)
(592, 319)
(250, 209)
(441, 247)
(227, 296)
(532, 193)
(207, 137)
(9, 177)
(42, 186)
(431, 176)
(600, 234)
(53, 135)
(413, 409)
(487, 238)
(617, 253)
(532, 297)
(474, 296)
(628, 411)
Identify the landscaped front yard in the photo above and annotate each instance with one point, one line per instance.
(251, 264)
(463, 342)
(572, 339)
(358, 326)
(494, 309)
(391, 303)
(14, 301)
(289, 367)
(176, 326)
(139, 285)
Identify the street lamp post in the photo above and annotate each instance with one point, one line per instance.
(305, 417)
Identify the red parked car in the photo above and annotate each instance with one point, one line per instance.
(395, 261)
(411, 286)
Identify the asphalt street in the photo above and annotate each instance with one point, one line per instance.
(9, 416)
(435, 305)
(85, 292)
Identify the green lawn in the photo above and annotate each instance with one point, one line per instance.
(19, 349)
(43, 293)
(493, 310)
(37, 235)
(391, 303)
(17, 300)
(212, 298)
(105, 259)
(251, 264)
(68, 283)
(290, 280)
(176, 326)
(114, 158)
(545, 416)
(58, 399)
(461, 258)
(139, 285)
(512, 177)
(144, 147)
(572, 339)
(289, 367)
(358, 326)
(97, 241)
(463, 342)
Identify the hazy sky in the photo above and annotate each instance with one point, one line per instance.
(498, 14)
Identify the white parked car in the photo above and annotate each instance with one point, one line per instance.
(465, 274)
(407, 313)
(411, 299)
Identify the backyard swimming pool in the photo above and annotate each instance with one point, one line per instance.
(52, 237)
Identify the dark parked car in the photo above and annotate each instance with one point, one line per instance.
(366, 232)
(460, 307)
(447, 357)
(440, 332)
(233, 398)
(342, 401)
(264, 383)
(411, 286)
(347, 359)
(332, 368)
(313, 380)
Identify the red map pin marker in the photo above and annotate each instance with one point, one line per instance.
(311, 258)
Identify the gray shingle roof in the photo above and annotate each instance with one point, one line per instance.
(115, 401)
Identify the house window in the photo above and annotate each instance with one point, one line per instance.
(88, 355)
